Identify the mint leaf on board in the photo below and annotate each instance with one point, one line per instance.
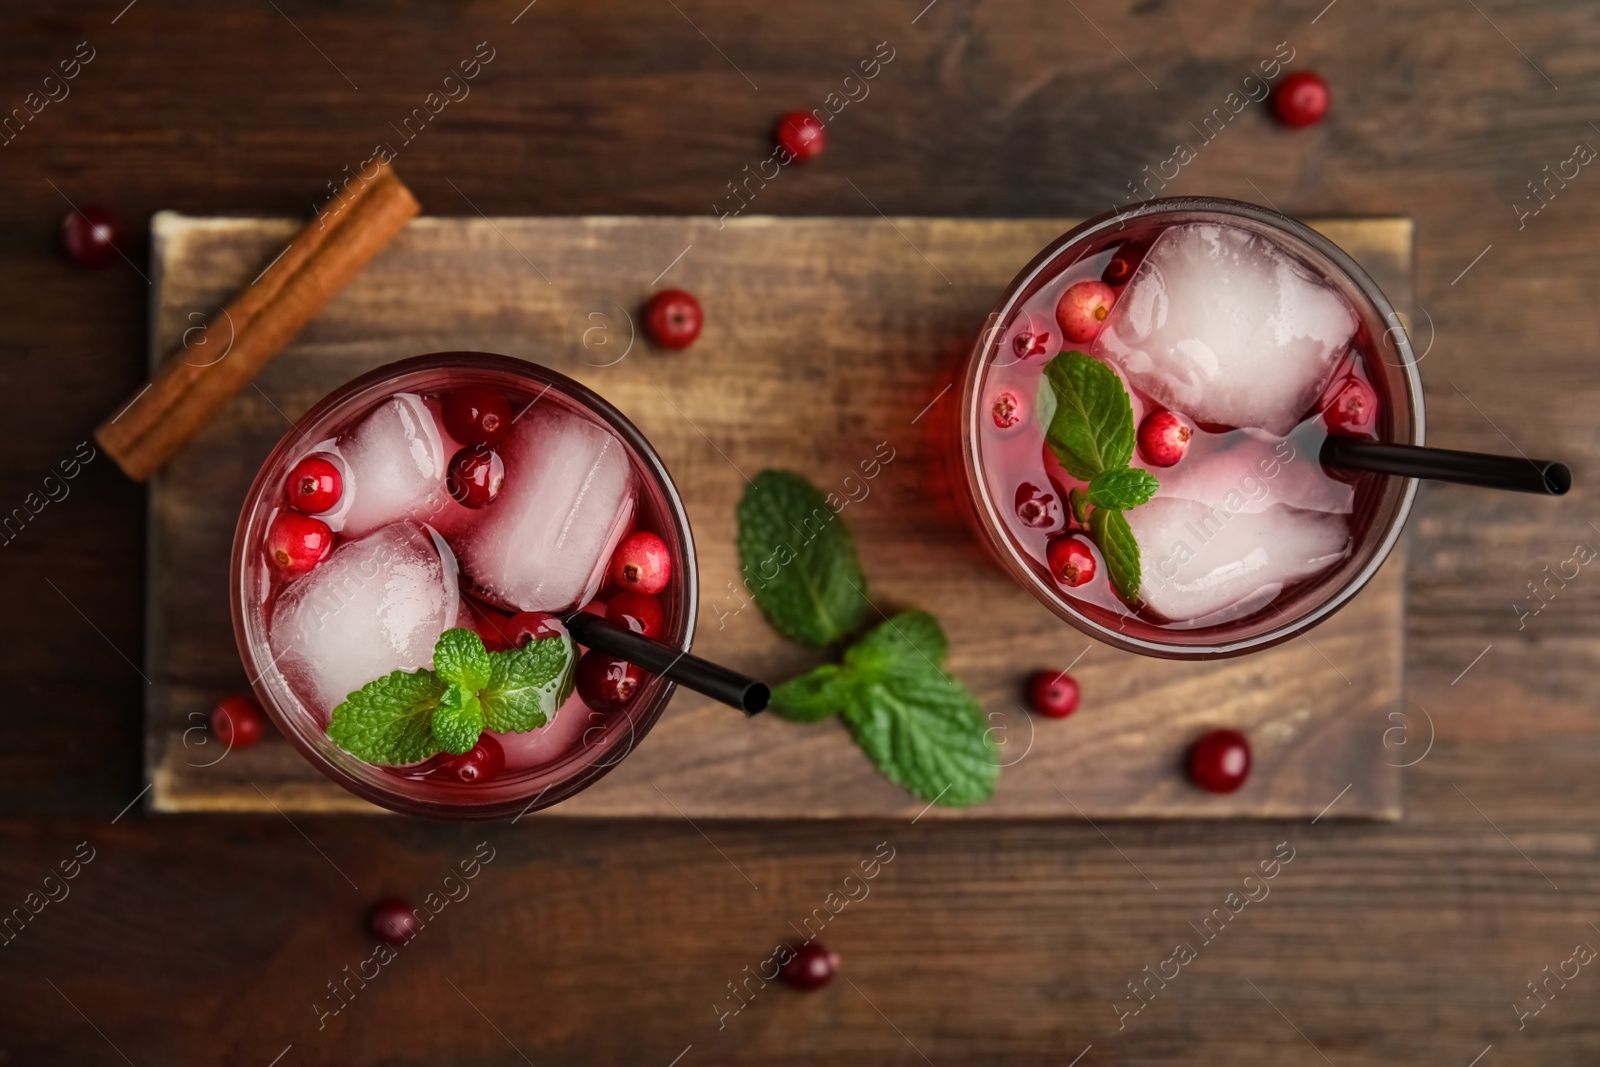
(526, 685)
(923, 729)
(458, 720)
(1091, 428)
(390, 719)
(812, 697)
(1124, 488)
(799, 560)
(461, 658)
(1121, 551)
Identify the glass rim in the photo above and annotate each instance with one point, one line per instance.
(987, 510)
(398, 799)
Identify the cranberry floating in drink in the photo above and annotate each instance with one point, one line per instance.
(408, 639)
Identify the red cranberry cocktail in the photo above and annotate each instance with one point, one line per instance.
(401, 565)
(1142, 421)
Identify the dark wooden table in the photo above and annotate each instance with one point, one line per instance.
(213, 939)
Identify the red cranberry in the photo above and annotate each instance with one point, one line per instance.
(1037, 508)
(477, 764)
(605, 682)
(296, 543)
(1070, 560)
(673, 318)
(315, 484)
(1301, 99)
(1163, 438)
(1353, 411)
(1006, 409)
(1028, 344)
(531, 626)
(1123, 263)
(638, 612)
(92, 235)
(476, 415)
(1220, 761)
(1083, 308)
(596, 607)
(476, 476)
(641, 563)
(801, 135)
(237, 721)
(1053, 694)
(393, 921)
(810, 968)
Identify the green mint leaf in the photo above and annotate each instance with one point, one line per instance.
(927, 734)
(1091, 429)
(800, 560)
(526, 685)
(461, 658)
(458, 720)
(1078, 501)
(923, 729)
(1110, 530)
(812, 697)
(390, 719)
(1124, 488)
(911, 638)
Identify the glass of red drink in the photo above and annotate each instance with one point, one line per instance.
(407, 559)
(1240, 340)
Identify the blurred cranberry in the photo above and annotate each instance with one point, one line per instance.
(92, 235)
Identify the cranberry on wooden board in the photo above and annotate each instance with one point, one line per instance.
(91, 235)
(393, 921)
(1220, 761)
(801, 135)
(811, 967)
(673, 318)
(237, 721)
(1053, 694)
(1301, 99)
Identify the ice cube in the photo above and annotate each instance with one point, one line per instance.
(1251, 471)
(568, 496)
(1222, 325)
(377, 604)
(1199, 561)
(395, 466)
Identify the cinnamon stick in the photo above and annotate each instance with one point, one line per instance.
(262, 318)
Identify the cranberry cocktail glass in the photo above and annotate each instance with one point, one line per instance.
(410, 551)
(1241, 339)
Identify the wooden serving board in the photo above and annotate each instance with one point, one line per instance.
(826, 344)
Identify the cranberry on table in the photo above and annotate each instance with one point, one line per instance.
(91, 234)
(531, 626)
(480, 763)
(393, 921)
(641, 563)
(1083, 308)
(476, 476)
(1053, 694)
(801, 135)
(315, 484)
(811, 967)
(1301, 99)
(1070, 559)
(605, 682)
(1006, 409)
(296, 543)
(1163, 438)
(673, 318)
(237, 721)
(476, 415)
(1220, 761)
(639, 612)
(1037, 508)
(1353, 411)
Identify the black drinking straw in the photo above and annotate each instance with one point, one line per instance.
(1516, 473)
(719, 683)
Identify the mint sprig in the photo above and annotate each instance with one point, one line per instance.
(799, 561)
(408, 716)
(1091, 432)
(924, 730)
